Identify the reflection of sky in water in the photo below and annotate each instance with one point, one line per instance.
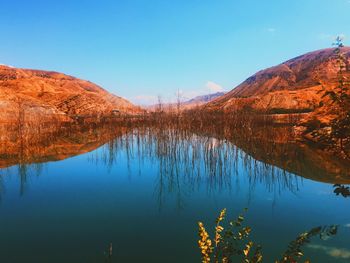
(68, 211)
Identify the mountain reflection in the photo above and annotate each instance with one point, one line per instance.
(186, 158)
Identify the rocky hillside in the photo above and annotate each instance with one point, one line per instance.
(295, 86)
(45, 95)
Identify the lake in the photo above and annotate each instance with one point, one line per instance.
(143, 190)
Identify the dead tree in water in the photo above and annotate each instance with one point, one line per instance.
(159, 105)
(20, 126)
(178, 101)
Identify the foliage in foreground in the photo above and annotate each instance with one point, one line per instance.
(341, 97)
(234, 245)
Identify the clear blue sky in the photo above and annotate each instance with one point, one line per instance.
(140, 49)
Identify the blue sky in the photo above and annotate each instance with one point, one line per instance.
(140, 49)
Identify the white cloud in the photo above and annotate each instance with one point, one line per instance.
(214, 87)
(144, 99)
(184, 94)
(179, 93)
(333, 251)
(6, 65)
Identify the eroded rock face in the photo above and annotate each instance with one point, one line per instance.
(35, 94)
(295, 86)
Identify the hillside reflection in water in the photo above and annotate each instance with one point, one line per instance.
(131, 183)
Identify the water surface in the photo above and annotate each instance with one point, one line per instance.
(144, 191)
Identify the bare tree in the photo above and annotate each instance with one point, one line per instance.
(178, 101)
(160, 104)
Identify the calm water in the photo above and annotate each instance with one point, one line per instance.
(145, 194)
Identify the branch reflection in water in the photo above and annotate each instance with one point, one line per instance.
(186, 161)
(187, 153)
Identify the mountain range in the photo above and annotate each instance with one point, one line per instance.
(297, 86)
(188, 104)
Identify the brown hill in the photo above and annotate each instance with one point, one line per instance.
(295, 86)
(45, 95)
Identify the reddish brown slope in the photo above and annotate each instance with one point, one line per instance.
(296, 85)
(50, 95)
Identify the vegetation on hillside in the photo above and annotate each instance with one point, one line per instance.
(340, 96)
